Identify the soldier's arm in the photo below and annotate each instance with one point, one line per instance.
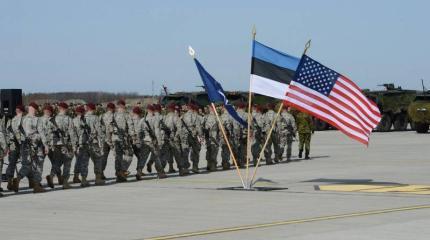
(43, 133)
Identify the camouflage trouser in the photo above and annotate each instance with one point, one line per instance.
(84, 154)
(285, 141)
(1, 165)
(240, 151)
(63, 155)
(32, 159)
(123, 155)
(268, 150)
(155, 156)
(170, 150)
(305, 141)
(256, 146)
(212, 152)
(142, 152)
(193, 147)
(55, 163)
(13, 157)
(106, 150)
(76, 167)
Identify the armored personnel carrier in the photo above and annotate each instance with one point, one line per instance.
(419, 112)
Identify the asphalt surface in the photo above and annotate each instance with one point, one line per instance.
(194, 207)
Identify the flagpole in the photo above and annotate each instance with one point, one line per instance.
(307, 46)
(248, 140)
(228, 144)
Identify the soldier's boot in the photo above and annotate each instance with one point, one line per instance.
(84, 182)
(15, 184)
(183, 172)
(1, 195)
(139, 174)
(171, 168)
(1, 189)
(31, 183)
(269, 161)
(161, 175)
(212, 166)
(225, 166)
(300, 153)
(195, 168)
(307, 155)
(121, 177)
(149, 168)
(76, 178)
(99, 181)
(10, 184)
(103, 176)
(38, 188)
(50, 181)
(60, 179)
(66, 184)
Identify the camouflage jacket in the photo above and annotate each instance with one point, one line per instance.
(172, 125)
(120, 128)
(286, 124)
(304, 123)
(66, 134)
(33, 129)
(13, 134)
(211, 127)
(192, 124)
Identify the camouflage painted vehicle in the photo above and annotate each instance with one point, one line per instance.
(393, 103)
(419, 112)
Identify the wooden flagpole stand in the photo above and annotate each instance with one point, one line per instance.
(248, 140)
(307, 46)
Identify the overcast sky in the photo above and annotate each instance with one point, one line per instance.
(122, 46)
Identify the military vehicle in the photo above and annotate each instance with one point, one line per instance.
(419, 112)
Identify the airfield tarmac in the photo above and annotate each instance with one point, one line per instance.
(346, 191)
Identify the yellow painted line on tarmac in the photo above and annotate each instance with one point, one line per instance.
(287, 222)
(371, 188)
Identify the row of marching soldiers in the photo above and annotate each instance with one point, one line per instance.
(157, 138)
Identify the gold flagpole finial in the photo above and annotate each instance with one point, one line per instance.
(307, 46)
(191, 51)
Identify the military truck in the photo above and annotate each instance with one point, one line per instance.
(393, 103)
(419, 112)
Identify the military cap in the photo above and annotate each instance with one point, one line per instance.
(63, 105)
(137, 110)
(110, 106)
(171, 106)
(80, 109)
(150, 107)
(21, 108)
(48, 108)
(34, 105)
(241, 105)
(121, 102)
(91, 106)
(157, 107)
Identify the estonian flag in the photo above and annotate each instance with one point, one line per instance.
(216, 93)
(271, 71)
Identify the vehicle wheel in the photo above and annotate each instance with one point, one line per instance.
(320, 125)
(422, 127)
(385, 123)
(401, 122)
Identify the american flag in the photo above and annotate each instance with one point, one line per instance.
(333, 98)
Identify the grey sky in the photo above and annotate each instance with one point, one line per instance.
(124, 45)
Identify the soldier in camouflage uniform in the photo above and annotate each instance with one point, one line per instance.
(191, 136)
(227, 123)
(120, 132)
(305, 128)
(64, 141)
(240, 136)
(212, 139)
(286, 127)
(172, 146)
(3, 147)
(140, 149)
(269, 116)
(33, 151)
(258, 132)
(105, 119)
(77, 123)
(150, 127)
(90, 133)
(14, 139)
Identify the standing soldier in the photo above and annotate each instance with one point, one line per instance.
(33, 151)
(287, 131)
(81, 136)
(259, 134)
(172, 147)
(240, 135)
(106, 118)
(192, 130)
(212, 136)
(15, 138)
(150, 133)
(3, 148)
(269, 116)
(227, 124)
(119, 134)
(305, 129)
(64, 139)
(140, 149)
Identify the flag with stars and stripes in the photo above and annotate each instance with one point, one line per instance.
(333, 98)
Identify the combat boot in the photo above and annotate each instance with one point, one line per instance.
(15, 184)
(103, 176)
(10, 184)
(161, 175)
(30, 183)
(183, 172)
(307, 155)
(225, 166)
(171, 168)
(269, 162)
(76, 178)
(60, 179)
(66, 184)
(212, 167)
(50, 181)
(300, 153)
(139, 174)
(195, 169)
(38, 188)
(149, 168)
(121, 177)
(99, 181)
(84, 182)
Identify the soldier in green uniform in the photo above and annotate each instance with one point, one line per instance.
(305, 128)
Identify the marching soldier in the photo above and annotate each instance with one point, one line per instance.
(3, 148)
(80, 140)
(305, 128)
(192, 130)
(269, 116)
(240, 136)
(286, 127)
(140, 149)
(227, 123)
(119, 136)
(212, 135)
(106, 118)
(64, 140)
(150, 133)
(33, 151)
(14, 139)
